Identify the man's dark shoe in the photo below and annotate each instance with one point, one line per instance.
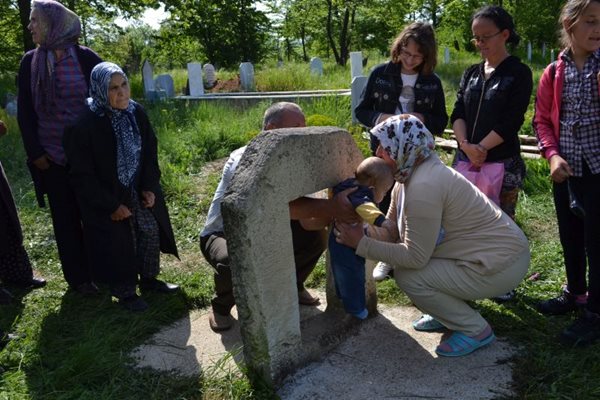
(584, 331)
(34, 282)
(134, 303)
(219, 322)
(157, 285)
(563, 304)
(5, 296)
(87, 289)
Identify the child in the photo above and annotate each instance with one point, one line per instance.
(373, 178)
(567, 125)
(406, 84)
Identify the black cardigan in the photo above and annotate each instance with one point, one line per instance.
(90, 146)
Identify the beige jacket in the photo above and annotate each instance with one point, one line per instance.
(478, 235)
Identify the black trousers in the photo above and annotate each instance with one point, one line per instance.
(66, 220)
(580, 238)
(308, 247)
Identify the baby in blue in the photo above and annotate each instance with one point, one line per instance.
(373, 179)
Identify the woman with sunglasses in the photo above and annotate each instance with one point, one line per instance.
(491, 103)
(405, 85)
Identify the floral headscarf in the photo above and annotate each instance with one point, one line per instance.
(407, 141)
(62, 29)
(124, 124)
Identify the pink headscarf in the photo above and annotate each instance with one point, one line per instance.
(62, 30)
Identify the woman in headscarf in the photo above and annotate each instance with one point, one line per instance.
(113, 166)
(453, 244)
(15, 267)
(53, 85)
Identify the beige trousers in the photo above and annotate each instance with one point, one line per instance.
(443, 288)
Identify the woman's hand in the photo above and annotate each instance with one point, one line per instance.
(348, 234)
(148, 199)
(475, 152)
(42, 163)
(560, 170)
(121, 213)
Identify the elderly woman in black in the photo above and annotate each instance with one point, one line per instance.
(113, 166)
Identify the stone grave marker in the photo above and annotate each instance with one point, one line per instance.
(165, 82)
(356, 60)
(528, 51)
(316, 66)
(247, 76)
(210, 76)
(148, 79)
(356, 89)
(446, 55)
(195, 79)
(279, 166)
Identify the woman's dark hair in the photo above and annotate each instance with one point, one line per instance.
(501, 18)
(423, 35)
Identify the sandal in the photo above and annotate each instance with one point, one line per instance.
(427, 324)
(462, 344)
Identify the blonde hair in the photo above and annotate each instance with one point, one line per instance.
(423, 35)
(569, 15)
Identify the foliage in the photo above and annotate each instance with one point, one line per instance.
(229, 32)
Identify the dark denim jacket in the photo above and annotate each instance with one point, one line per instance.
(383, 90)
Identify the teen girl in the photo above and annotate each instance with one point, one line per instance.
(567, 124)
(405, 85)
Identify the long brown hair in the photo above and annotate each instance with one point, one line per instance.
(423, 35)
(570, 14)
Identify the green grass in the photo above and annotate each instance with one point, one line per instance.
(77, 349)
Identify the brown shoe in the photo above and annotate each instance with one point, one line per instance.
(306, 299)
(219, 322)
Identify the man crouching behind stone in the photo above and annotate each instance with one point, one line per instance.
(309, 218)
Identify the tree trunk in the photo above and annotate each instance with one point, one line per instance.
(329, 28)
(24, 11)
(303, 39)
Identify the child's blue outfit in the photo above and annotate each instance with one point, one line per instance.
(347, 267)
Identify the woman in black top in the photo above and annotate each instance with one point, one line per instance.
(491, 102)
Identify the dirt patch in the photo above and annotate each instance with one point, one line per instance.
(229, 85)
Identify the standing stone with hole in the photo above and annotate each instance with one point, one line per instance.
(279, 166)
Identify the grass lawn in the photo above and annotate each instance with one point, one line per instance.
(77, 348)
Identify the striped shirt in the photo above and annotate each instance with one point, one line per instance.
(70, 94)
(580, 115)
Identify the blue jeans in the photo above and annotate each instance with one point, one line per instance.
(349, 276)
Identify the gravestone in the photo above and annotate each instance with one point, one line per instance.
(11, 104)
(355, 64)
(552, 58)
(165, 83)
(446, 55)
(210, 76)
(279, 63)
(528, 51)
(277, 167)
(356, 90)
(195, 79)
(148, 79)
(247, 76)
(316, 66)
(544, 50)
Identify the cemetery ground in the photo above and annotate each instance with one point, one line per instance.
(76, 348)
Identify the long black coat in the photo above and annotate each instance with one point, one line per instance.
(91, 149)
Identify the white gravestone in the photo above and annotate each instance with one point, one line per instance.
(446, 55)
(552, 55)
(165, 82)
(544, 50)
(195, 79)
(316, 66)
(356, 90)
(148, 78)
(210, 76)
(355, 64)
(528, 51)
(247, 76)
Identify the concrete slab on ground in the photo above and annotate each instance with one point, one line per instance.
(384, 358)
